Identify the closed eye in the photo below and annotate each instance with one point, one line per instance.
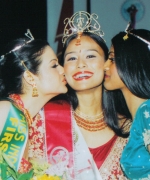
(55, 65)
(112, 59)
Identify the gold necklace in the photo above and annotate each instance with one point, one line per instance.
(87, 117)
(92, 126)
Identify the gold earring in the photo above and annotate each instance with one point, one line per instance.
(35, 91)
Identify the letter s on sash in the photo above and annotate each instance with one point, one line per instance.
(19, 137)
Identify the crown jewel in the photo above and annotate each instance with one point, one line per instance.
(81, 22)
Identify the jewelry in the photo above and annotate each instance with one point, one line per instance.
(79, 39)
(90, 118)
(88, 125)
(16, 98)
(29, 35)
(81, 22)
(34, 91)
(127, 30)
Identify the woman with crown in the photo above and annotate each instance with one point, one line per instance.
(127, 76)
(30, 76)
(93, 149)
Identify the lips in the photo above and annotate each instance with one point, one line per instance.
(64, 80)
(79, 76)
(106, 76)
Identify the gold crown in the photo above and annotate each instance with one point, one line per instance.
(81, 22)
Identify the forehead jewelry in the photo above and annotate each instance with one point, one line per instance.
(31, 38)
(81, 22)
(128, 32)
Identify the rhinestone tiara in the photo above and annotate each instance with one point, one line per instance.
(82, 22)
(127, 30)
(27, 34)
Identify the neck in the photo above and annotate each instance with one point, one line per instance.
(90, 102)
(34, 104)
(133, 102)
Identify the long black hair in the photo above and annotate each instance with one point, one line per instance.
(132, 59)
(11, 68)
(71, 94)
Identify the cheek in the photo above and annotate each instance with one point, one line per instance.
(114, 72)
(48, 76)
(97, 64)
(98, 68)
(68, 69)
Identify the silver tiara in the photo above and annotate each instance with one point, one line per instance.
(27, 34)
(127, 30)
(81, 22)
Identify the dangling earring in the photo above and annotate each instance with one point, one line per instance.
(35, 91)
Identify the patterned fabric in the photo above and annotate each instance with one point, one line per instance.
(110, 169)
(100, 153)
(36, 138)
(135, 159)
(25, 166)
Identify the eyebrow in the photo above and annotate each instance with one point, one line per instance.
(69, 53)
(92, 50)
(53, 60)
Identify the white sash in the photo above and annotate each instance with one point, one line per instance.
(86, 168)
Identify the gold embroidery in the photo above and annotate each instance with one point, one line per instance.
(110, 169)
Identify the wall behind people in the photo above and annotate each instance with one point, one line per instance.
(112, 16)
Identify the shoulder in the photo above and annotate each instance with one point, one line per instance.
(4, 106)
(121, 142)
(145, 104)
(4, 109)
(143, 110)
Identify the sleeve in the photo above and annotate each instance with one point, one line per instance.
(145, 124)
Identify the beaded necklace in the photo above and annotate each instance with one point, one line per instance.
(90, 123)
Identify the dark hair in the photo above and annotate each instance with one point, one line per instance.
(71, 92)
(11, 68)
(132, 59)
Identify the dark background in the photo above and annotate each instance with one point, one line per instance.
(16, 16)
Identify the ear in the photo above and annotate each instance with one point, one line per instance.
(28, 77)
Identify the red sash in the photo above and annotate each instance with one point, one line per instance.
(58, 126)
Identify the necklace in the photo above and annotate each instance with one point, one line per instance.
(84, 116)
(16, 98)
(94, 125)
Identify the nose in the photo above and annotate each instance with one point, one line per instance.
(61, 69)
(106, 65)
(81, 63)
